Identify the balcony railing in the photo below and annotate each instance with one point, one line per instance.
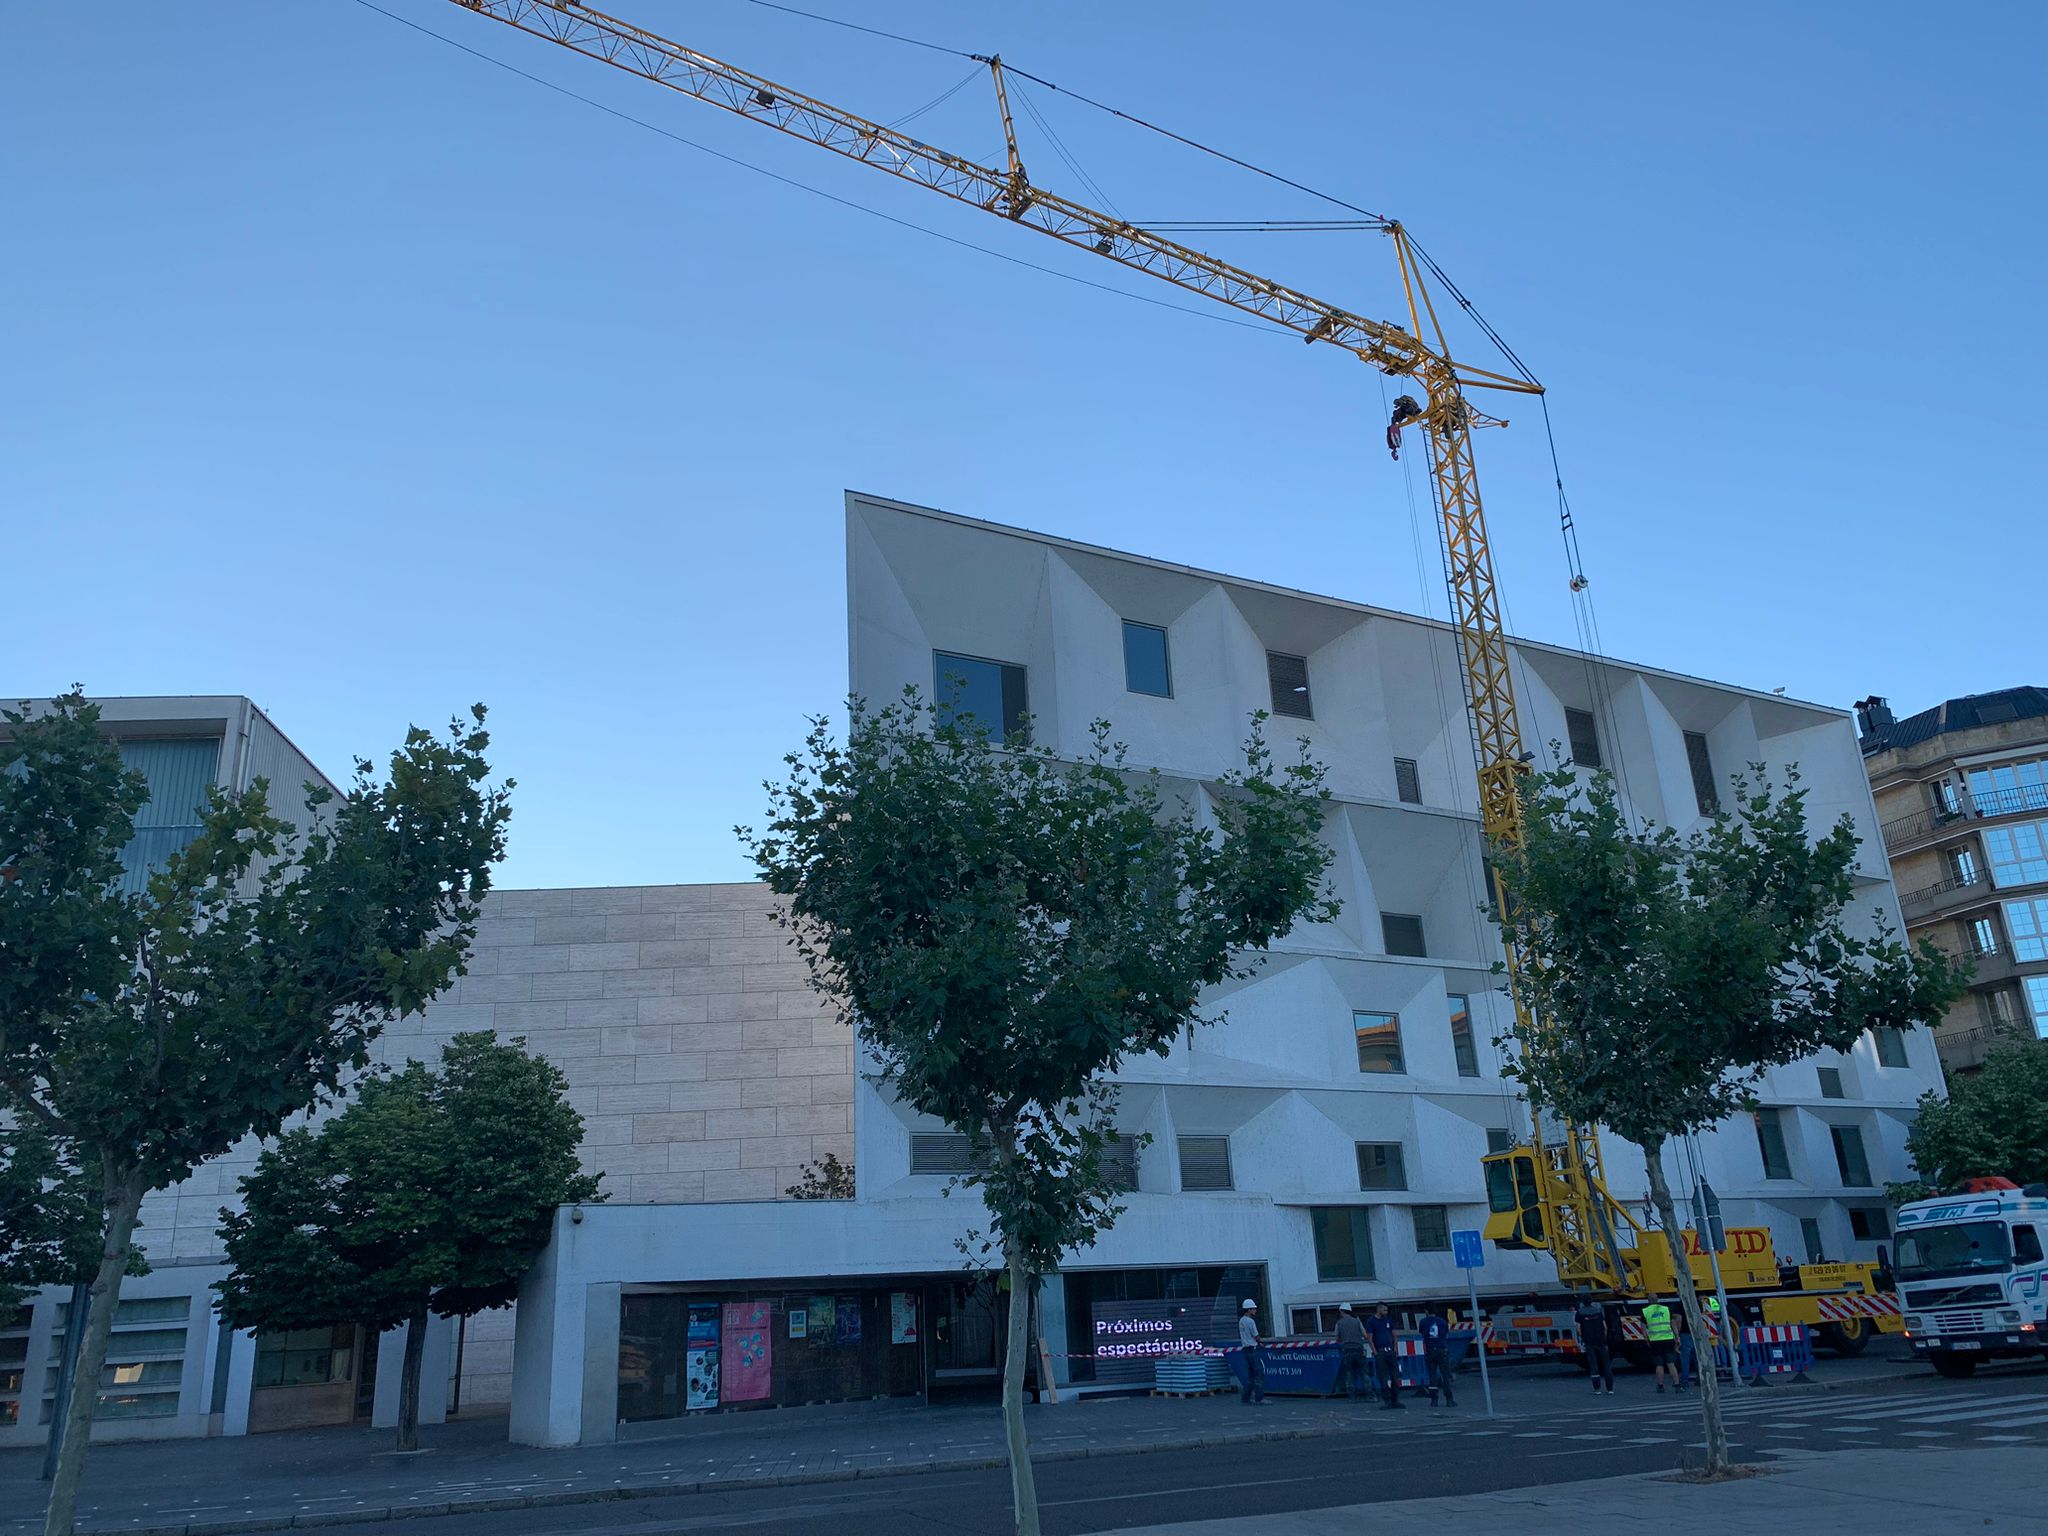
(1928, 896)
(1963, 1049)
(1969, 807)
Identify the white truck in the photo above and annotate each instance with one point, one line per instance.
(1972, 1277)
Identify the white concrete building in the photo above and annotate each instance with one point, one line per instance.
(1321, 1143)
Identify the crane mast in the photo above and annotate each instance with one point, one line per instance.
(1567, 1168)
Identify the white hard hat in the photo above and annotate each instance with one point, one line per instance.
(1250, 1305)
(1344, 1306)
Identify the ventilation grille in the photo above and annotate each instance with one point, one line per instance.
(1205, 1162)
(1288, 676)
(1407, 781)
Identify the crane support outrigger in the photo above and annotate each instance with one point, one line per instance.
(1560, 1201)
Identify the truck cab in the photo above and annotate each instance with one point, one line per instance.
(1972, 1273)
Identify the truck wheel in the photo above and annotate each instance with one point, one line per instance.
(1848, 1338)
(1956, 1367)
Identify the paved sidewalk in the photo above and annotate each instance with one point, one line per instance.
(1870, 1493)
(192, 1487)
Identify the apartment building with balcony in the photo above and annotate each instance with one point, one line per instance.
(1962, 798)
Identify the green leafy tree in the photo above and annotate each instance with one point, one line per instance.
(1995, 1121)
(1670, 972)
(431, 1192)
(825, 1178)
(148, 1032)
(1006, 928)
(49, 1215)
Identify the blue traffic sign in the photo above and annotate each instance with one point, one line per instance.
(1466, 1249)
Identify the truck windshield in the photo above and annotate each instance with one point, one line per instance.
(1958, 1249)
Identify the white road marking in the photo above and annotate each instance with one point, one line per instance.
(1164, 1493)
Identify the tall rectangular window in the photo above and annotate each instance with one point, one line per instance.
(1770, 1140)
(979, 695)
(1891, 1046)
(2018, 853)
(1288, 677)
(1407, 780)
(1584, 737)
(1809, 1237)
(1869, 1224)
(1146, 668)
(1462, 1044)
(1849, 1156)
(1983, 937)
(1830, 1082)
(1946, 800)
(1205, 1162)
(1343, 1235)
(1704, 794)
(1381, 1166)
(1379, 1042)
(1432, 1228)
(1962, 864)
(1401, 934)
(2026, 924)
(2037, 1002)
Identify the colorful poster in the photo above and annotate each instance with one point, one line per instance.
(902, 1317)
(821, 1318)
(744, 1368)
(846, 1321)
(703, 1378)
(703, 1325)
(799, 1322)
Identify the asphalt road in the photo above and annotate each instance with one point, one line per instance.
(1416, 1453)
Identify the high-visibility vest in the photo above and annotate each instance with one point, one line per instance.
(1657, 1322)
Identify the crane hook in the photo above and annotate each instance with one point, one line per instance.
(1406, 409)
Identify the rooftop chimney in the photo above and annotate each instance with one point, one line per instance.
(1874, 722)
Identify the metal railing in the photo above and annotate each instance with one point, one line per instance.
(1928, 895)
(1969, 807)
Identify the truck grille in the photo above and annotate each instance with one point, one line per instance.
(1953, 1296)
(1960, 1322)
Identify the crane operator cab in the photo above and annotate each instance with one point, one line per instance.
(1514, 1200)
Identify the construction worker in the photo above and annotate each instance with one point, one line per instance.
(1689, 1347)
(1350, 1350)
(1436, 1353)
(1380, 1328)
(1597, 1344)
(1663, 1339)
(1254, 1393)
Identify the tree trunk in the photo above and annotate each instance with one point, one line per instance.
(124, 1191)
(1023, 1491)
(1688, 1298)
(409, 1380)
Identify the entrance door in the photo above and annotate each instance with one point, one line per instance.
(964, 1333)
(366, 1377)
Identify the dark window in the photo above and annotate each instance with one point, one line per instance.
(1830, 1082)
(305, 1357)
(1946, 800)
(1891, 1046)
(1401, 933)
(1868, 1224)
(1205, 1162)
(1407, 780)
(1432, 1228)
(1703, 791)
(1849, 1158)
(1809, 1236)
(1379, 1042)
(2026, 1245)
(1343, 1236)
(1146, 669)
(1380, 1165)
(1288, 676)
(979, 695)
(940, 1152)
(1462, 1044)
(1120, 1163)
(1585, 737)
(1498, 1138)
(1770, 1139)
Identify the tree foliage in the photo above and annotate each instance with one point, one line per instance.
(1674, 971)
(1007, 928)
(431, 1192)
(149, 1031)
(49, 1215)
(825, 1178)
(1667, 974)
(1994, 1121)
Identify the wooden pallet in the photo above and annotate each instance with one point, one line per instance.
(1192, 1392)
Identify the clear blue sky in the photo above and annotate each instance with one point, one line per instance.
(351, 372)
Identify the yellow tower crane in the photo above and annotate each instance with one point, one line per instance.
(1560, 1197)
